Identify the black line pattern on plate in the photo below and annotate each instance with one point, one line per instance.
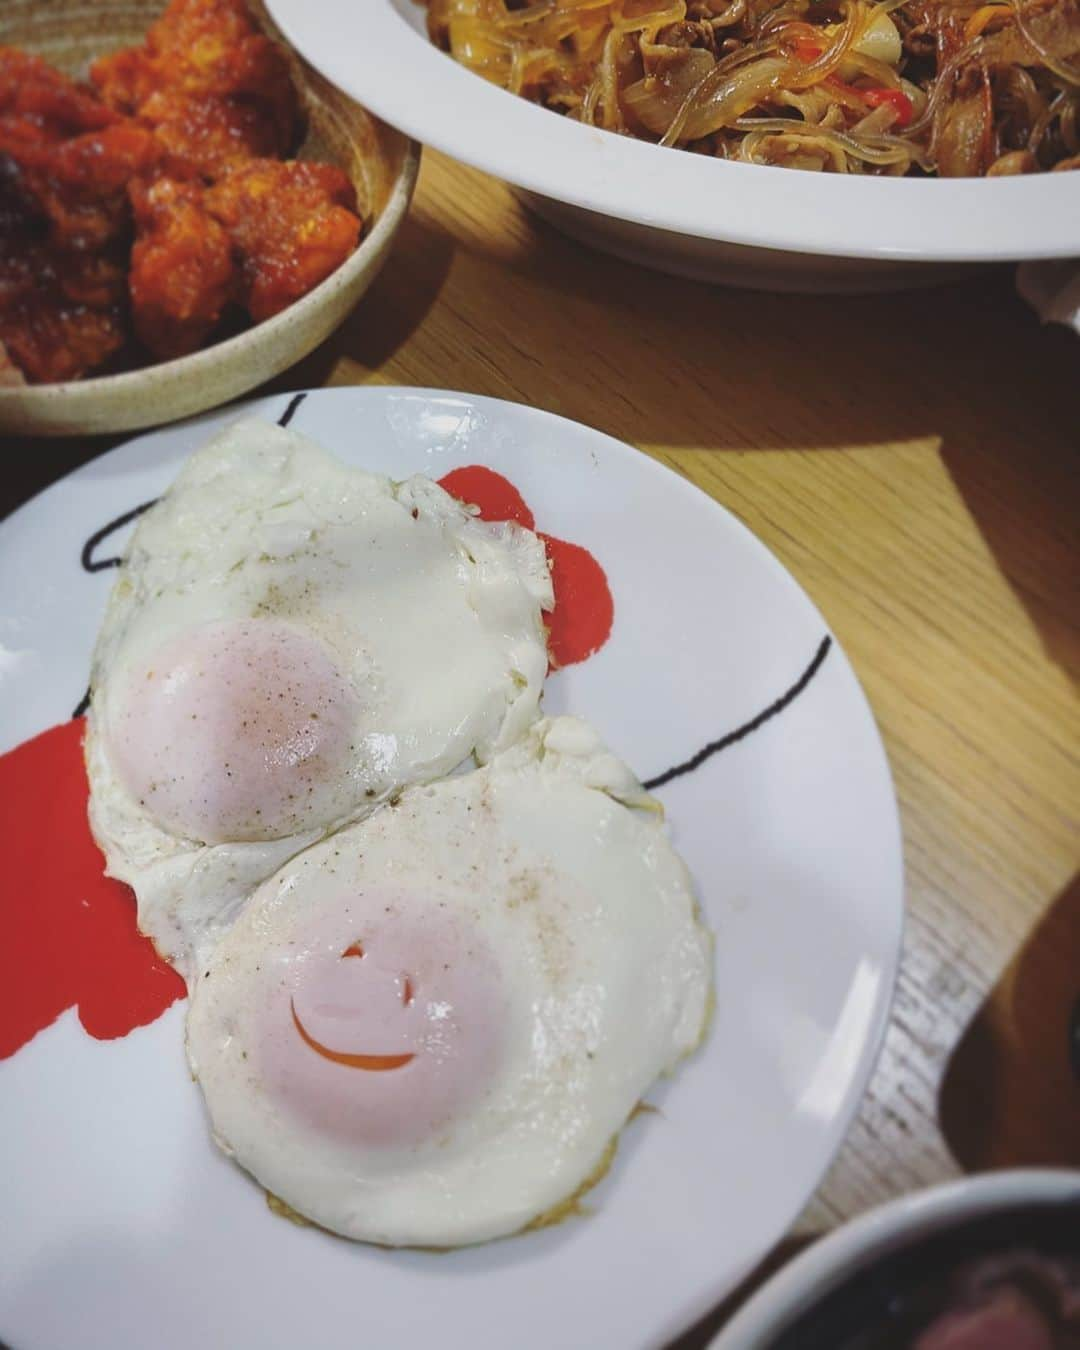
(92, 564)
(740, 733)
(290, 412)
(84, 703)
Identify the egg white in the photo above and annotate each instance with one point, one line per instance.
(551, 872)
(432, 617)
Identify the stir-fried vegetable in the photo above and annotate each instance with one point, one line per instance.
(953, 87)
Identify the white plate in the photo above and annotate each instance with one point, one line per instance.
(121, 1225)
(376, 51)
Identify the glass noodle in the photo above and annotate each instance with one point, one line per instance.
(947, 87)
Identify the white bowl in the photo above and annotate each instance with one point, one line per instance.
(892, 1227)
(712, 219)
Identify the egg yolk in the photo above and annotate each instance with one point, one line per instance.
(381, 1038)
(236, 731)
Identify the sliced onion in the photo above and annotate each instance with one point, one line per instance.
(722, 96)
(655, 101)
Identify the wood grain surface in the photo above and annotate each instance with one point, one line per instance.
(914, 460)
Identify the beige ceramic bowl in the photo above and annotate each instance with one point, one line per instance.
(382, 163)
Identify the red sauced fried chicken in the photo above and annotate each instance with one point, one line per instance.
(154, 202)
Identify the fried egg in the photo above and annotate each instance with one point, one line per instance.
(288, 644)
(429, 1029)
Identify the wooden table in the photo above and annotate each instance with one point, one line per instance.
(914, 460)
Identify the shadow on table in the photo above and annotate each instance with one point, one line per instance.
(866, 362)
(399, 298)
(310, 373)
(39, 462)
(386, 316)
(722, 370)
(1011, 1092)
(1025, 501)
(701, 1333)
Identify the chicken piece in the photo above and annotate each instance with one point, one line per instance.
(193, 48)
(93, 281)
(79, 185)
(122, 79)
(50, 340)
(48, 331)
(202, 48)
(19, 217)
(203, 136)
(43, 102)
(64, 158)
(182, 270)
(292, 223)
(17, 262)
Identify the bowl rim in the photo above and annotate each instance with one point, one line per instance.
(886, 1228)
(374, 51)
(31, 397)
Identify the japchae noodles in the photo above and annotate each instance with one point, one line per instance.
(959, 88)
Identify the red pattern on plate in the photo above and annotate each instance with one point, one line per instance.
(496, 496)
(581, 621)
(69, 931)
